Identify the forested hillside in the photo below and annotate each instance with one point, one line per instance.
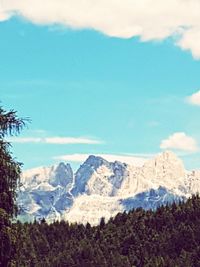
(169, 236)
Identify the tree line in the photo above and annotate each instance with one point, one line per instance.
(169, 236)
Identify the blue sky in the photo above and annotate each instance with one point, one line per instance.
(88, 92)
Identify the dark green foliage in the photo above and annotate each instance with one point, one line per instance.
(9, 179)
(10, 124)
(168, 237)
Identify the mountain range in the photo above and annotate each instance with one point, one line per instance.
(102, 189)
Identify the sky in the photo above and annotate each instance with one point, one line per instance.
(119, 79)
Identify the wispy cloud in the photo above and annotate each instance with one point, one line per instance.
(55, 140)
(194, 99)
(180, 141)
(25, 139)
(132, 160)
(150, 20)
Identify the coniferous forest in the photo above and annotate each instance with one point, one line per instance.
(169, 236)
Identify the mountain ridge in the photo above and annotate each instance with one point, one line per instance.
(57, 193)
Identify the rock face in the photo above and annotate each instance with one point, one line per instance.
(102, 189)
(45, 192)
(150, 199)
(98, 176)
(63, 176)
(193, 182)
(165, 170)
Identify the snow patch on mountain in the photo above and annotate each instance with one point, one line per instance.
(92, 208)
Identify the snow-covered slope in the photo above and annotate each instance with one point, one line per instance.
(101, 189)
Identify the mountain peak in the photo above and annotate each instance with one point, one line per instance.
(166, 169)
(160, 180)
(95, 161)
(167, 157)
(168, 154)
(169, 160)
(86, 171)
(62, 175)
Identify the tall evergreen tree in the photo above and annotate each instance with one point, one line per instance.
(10, 124)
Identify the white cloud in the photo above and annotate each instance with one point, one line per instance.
(54, 140)
(71, 140)
(25, 139)
(180, 141)
(194, 99)
(132, 160)
(191, 41)
(149, 19)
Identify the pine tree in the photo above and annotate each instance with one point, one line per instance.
(10, 124)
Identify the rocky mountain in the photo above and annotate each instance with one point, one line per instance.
(45, 192)
(98, 176)
(102, 189)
